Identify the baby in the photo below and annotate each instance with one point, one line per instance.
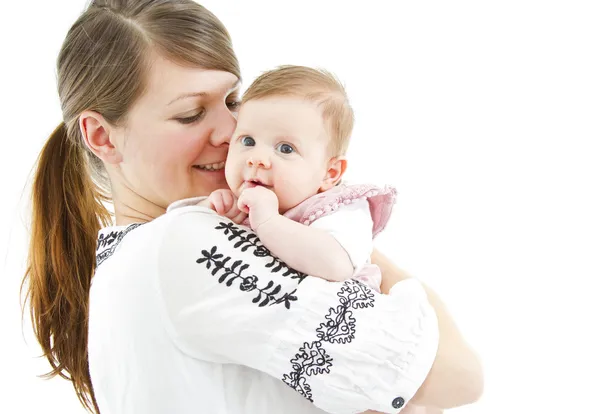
(285, 161)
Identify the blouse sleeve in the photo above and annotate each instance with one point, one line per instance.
(340, 345)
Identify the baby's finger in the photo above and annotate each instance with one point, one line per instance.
(239, 218)
(219, 205)
(232, 211)
(228, 200)
(243, 204)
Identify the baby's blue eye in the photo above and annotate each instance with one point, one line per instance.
(286, 148)
(248, 141)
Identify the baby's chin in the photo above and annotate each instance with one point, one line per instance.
(232, 185)
(237, 188)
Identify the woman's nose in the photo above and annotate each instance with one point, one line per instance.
(224, 125)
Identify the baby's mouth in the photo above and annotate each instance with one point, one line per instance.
(255, 183)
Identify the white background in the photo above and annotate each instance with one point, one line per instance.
(485, 115)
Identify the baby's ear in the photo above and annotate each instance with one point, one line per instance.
(336, 167)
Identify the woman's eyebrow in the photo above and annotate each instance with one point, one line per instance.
(187, 95)
(233, 87)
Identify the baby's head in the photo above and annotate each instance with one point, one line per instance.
(292, 134)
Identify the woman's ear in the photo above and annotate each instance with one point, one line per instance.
(336, 167)
(96, 133)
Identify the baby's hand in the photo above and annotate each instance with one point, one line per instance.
(225, 204)
(260, 203)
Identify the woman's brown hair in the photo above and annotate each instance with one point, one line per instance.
(102, 66)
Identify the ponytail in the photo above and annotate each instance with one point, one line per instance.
(67, 214)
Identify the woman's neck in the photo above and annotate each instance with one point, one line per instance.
(131, 207)
(126, 214)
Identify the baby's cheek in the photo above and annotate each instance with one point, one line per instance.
(292, 193)
(232, 174)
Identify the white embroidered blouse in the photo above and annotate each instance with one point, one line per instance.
(190, 313)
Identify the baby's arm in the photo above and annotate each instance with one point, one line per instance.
(306, 249)
(309, 250)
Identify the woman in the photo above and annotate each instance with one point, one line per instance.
(188, 312)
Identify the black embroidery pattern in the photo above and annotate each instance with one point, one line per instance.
(267, 295)
(250, 240)
(339, 327)
(107, 240)
(113, 238)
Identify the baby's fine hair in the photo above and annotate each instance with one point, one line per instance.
(315, 85)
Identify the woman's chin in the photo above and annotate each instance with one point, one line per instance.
(209, 176)
(209, 180)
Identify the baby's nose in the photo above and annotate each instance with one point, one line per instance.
(259, 161)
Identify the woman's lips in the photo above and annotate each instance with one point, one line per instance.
(215, 166)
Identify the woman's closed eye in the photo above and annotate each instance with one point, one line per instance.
(191, 119)
(285, 148)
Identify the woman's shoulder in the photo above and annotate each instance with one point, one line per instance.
(188, 220)
(142, 236)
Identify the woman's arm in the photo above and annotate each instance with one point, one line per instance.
(456, 377)
(345, 348)
(413, 409)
